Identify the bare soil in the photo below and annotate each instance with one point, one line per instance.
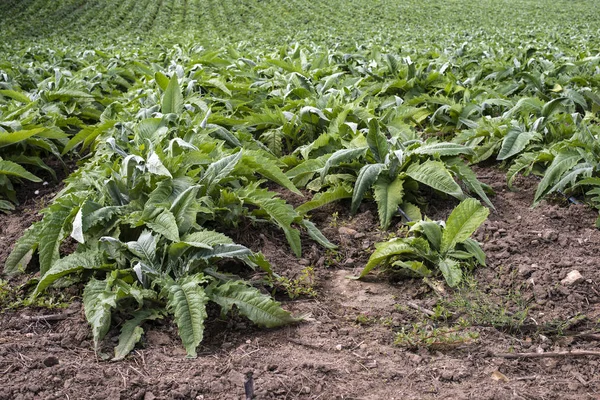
(345, 348)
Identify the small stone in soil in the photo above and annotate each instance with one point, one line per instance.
(347, 231)
(572, 278)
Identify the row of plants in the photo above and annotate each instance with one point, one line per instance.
(181, 144)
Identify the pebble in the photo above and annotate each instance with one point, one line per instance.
(338, 347)
(572, 278)
(347, 231)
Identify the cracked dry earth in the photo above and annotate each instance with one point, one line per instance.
(345, 349)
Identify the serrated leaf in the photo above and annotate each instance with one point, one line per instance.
(435, 175)
(184, 208)
(316, 235)
(385, 250)
(563, 162)
(462, 223)
(341, 156)
(257, 307)
(187, 302)
(514, 142)
(219, 170)
(377, 141)
(10, 138)
(334, 193)
(155, 166)
(13, 169)
(165, 224)
(21, 254)
(98, 301)
(366, 178)
(388, 196)
(18, 96)
(91, 259)
(131, 332)
(51, 234)
(144, 247)
(267, 168)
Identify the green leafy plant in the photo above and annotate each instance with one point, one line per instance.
(434, 248)
(393, 170)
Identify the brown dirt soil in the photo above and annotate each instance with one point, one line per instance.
(345, 349)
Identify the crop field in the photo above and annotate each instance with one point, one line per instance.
(299, 199)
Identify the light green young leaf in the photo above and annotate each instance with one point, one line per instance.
(385, 250)
(165, 224)
(462, 223)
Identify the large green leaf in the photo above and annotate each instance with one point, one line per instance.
(462, 223)
(144, 247)
(377, 141)
(443, 149)
(184, 208)
(186, 300)
(21, 254)
(165, 224)
(451, 270)
(388, 249)
(131, 332)
(259, 308)
(13, 169)
(563, 162)
(7, 139)
(342, 156)
(51, 235)
(514, 142)
(434, 174)
(172, 101)
(316, 235)
(18, 96)
(98, 301)
(333, 194)
(91, 259)
(253, 161)
(388, 195)
(366, 178)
